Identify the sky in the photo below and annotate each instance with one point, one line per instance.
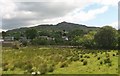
(27, 13)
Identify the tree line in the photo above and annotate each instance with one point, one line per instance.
(104, 38)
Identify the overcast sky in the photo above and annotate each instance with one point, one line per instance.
(98, 13)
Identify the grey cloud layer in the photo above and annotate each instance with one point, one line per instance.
(41, 10)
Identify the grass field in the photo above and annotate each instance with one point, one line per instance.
(56, 60)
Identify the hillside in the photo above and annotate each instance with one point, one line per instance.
(58, 27)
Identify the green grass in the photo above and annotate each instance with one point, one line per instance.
(55, 60)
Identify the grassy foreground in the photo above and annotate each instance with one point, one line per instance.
(56, 60)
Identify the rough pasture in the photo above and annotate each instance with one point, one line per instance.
(56, 60)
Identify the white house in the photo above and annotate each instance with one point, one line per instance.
(8, 38)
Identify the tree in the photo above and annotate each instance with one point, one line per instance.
(76, 32)
(56, 34)
(106, 37)
(44, 33)
(16, 35)
(87, 40)
(119, 42)
(119, 39)
(31, 33)
(40, 41)
(3, 34)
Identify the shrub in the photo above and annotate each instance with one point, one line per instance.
(95, 55)
(109, 64)
(43, 68)
(15, 46)
(98, 58)
(81, 56)
(86, 56)
(5, 68)
(12, 68)
(85, 62)
(64, 64)
(4, 64)
(101, 62)
(28, 67)
(50, 68)
(107, 60)
(19, 64)
(82, 60)
(75, 58)
(113, 54)
(117, 53)
(107, 55)
(24, 42)
(40, 41)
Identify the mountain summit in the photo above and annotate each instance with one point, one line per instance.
(68, 23)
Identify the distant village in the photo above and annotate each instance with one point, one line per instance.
(10, 40)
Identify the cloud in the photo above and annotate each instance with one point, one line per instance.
(24, 13)
(91, 14)
(7, 9)
(21, 13)
(107, 2)
(79, 16)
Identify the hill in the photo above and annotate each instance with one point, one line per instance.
(58, 27)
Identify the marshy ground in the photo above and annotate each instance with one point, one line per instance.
(56, 60)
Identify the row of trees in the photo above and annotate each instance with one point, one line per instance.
(105, 38)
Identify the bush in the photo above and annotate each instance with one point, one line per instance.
(19, 64)
(12, 68)
(43, 68)
(75, 58)
(15, 46)
(82, 60)
(109, 64)
(24, 42)
(64, 64)
(5, 68)
(113, 54)
(28, 67)
(85, 62)
(107, 60)
(107, 55)
(98, 58)
(117, 53)
(4, 64)
(50, 68)
(40, 41)
(81, 56)
(95, 55)
(86, 56)
(101, 62)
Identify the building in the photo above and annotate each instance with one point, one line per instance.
(47, 37)
(8, 38)
(64, 35)
(65, 38)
